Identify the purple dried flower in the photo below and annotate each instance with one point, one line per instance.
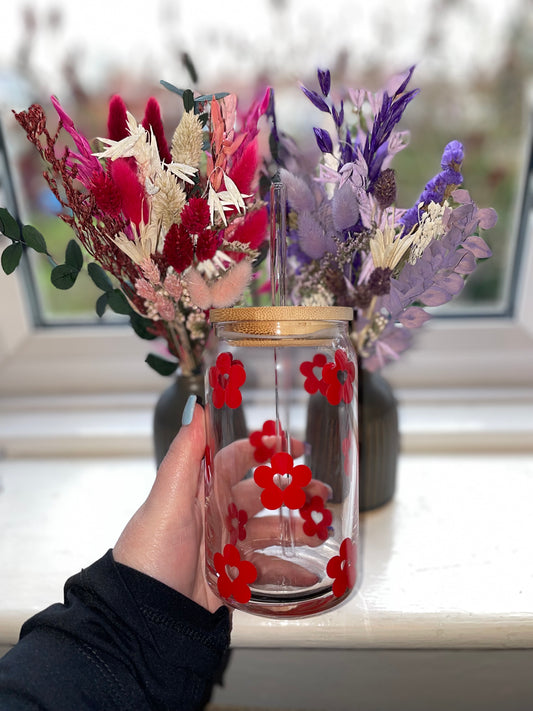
(324, 79)
(453, 155)
(316, 99)
(338, 116)
(323, 140)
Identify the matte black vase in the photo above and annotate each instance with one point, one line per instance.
(379, 440)
(169, 409)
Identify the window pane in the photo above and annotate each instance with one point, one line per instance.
(474, 68)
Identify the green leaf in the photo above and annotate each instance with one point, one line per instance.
(208, 97)
(161, 365)
(11, 257)
(64, 276)
(9, 225)
(74, 255)
(99, 277)
(101, 304)
(171, 87)
(118, 302)
(188, 100)
(140, 325)
(34, 239)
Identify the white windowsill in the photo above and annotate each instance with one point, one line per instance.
(445, 565)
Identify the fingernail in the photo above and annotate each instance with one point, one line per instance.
(188, 410)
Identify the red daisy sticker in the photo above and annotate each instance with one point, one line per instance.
(316, 517)
(313, 384)
(342, 568)
(235, 523)
(262, 453)
(338, 379)
(225, 379)
(283, 483)
(234, 574)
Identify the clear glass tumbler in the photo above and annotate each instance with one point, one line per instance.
(282, 476)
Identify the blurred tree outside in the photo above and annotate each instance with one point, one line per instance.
(488, 111)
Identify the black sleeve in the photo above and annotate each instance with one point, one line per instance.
(122, 641)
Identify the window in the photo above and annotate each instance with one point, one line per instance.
(485, 338)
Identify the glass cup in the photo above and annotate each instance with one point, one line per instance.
(282, 459)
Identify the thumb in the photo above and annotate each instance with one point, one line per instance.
(179, 471)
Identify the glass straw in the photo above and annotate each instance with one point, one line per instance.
(278, 285)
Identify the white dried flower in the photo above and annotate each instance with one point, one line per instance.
(430, 227)
(168, 201)
(187, 142)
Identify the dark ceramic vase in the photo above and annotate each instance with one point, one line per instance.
(169, 409)
(379, 440)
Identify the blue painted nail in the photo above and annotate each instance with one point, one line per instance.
(188, 410)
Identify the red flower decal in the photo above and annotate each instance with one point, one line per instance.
(317, 518)
(312, 384)
(342, 568)
(225, 379)
(262, 453)
(338, 379)
(234, 574)
(282, 482)
(235, 522)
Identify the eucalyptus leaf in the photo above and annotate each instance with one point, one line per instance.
(101, 304)
(171, 87)
(208, 97)
(188, 100)
(74, 255)
(9, 225)
(118, 302)
(140, 325)
(64, 276)
(99, 277)
(161, 365)
(11, 257)
(34, 239)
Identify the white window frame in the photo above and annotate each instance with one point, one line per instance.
(468, 353)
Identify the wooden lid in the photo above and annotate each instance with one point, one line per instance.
(281, 313)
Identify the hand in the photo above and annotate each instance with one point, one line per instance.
(164, 539)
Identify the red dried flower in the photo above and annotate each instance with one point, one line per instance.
(342, 568)
(117, 122)
(206, 245)
(283, 483)
(178, 248)
(195, 215)
(106, 194)
(134, 204)
(234, 574)
(225, 379)
(152, 120)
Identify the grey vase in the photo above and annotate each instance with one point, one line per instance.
(169, 409)
(379, 440)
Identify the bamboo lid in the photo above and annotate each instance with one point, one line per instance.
(280, 320)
